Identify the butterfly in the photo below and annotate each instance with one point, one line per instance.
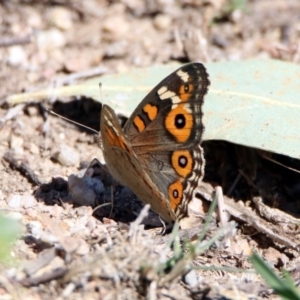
(157, 153)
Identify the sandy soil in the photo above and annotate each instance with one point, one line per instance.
(66, 250)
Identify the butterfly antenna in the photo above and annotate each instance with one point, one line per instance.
(71, 121)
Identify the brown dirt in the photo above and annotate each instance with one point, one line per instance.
(65, 250)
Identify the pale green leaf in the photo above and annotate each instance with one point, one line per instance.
(254, 103)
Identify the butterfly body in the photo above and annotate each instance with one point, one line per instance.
(157, 153)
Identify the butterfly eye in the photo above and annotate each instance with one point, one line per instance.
(182, 162)
(175, 193)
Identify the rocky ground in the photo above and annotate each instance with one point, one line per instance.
(71, 251)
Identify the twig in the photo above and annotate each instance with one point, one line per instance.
(57, 273)
(100, 206)
(223, 215)
(81, 75)
(134, 226)
(23, 168)
(12, 41)
(245, 215)
(12, 113)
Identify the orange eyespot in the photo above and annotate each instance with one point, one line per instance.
(185, 92)
(179, 123)
(175, 194)
(182, 162)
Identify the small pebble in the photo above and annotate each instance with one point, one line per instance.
(50, 39)
(31, 212)
(14, 215)
(18, 201)
(17, 56)
(84, 190)
(32, 111)
(272, 256)
(71, 244)
(191, 278)
(57, 211)
(83, 248)
(162, 22)
(55, 264)
(14, 201)
(60, 17)
(34, 227)
(91, 223)
(34, 19)
(27, 201)
(34, 149)
(84, 211)
(117, 49)
(116, 25)
(67, 156)
(80, 193)
(16, 142)
(240, 247)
